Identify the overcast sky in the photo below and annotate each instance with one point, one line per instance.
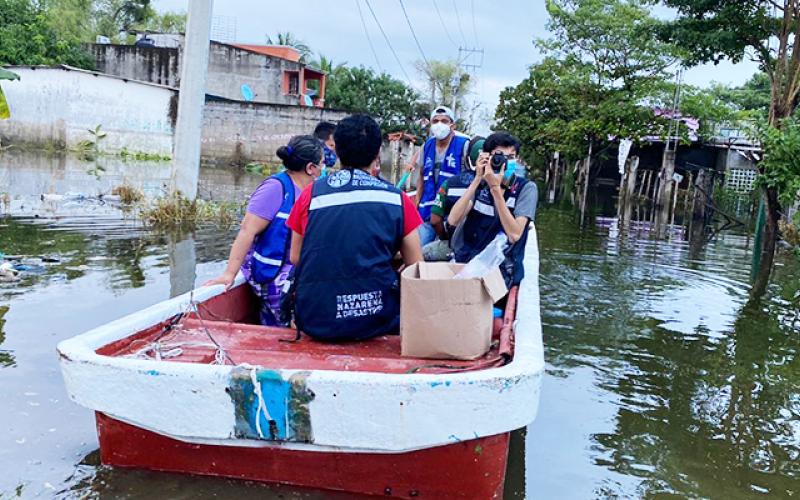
(504, 29)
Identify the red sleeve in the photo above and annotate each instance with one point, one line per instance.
(298, 217)
(411, 218)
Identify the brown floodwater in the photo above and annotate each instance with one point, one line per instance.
(663, 379)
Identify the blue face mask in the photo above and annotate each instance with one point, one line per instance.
(324, 172)
(330, 156)
(511, 167)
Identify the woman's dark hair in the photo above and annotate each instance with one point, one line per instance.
(358, 141)
(324, 131)
(501, 140)
(301, 150)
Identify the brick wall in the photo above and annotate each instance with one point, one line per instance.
(238, 131)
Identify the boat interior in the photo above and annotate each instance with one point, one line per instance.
(225, 330)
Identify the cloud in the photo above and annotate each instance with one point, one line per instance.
(505, 30)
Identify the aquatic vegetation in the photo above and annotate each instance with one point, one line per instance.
(128, 195)
(143, 156)
(260, 168)
(175, 211)
(790, 232)
(89, 149)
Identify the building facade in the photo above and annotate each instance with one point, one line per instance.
(270, 74)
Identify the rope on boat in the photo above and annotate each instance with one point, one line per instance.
(221, 355)
(165, 351)
(262, 407)
(161, 351)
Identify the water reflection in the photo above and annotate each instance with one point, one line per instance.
(6, 357)
(182, 264)
(679, 384)
(663, 378)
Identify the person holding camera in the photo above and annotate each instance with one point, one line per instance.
(450, 192)
(498, 199)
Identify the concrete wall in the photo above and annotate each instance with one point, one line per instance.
(228, 69)
(239, 131)
(55, 107)
(149, 64)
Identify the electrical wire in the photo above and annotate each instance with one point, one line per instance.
(402, 6)
(385, 37)
(369, 40)
(474, 26)
(441, 19)
(458, 20)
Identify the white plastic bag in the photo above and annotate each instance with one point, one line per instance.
(489, 258)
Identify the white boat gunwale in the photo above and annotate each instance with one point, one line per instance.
(352, 411)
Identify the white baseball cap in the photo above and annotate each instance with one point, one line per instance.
(443, 110)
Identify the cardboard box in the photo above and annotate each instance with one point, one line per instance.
(446, 318)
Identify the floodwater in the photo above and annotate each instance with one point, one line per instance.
(662, 379)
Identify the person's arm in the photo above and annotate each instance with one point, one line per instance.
(297, 246)
(438, 212)
(418, 194)
(438, 225)
(297, 220)
(513, 227)
(410, 248)
(464, 204)
(252, 226)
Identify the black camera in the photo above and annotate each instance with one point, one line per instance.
(498, 161)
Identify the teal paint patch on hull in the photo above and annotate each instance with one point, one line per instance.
(284, 415)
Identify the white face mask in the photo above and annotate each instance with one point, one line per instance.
(440, 130)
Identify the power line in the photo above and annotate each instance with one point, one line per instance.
(387, 40)
(369, 40)
(458, 20)
(444, 25)
(422, 52)
(474, 28)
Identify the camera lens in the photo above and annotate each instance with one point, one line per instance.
(497, 161)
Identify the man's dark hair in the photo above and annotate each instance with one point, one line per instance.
(324, 130)
(358, 141)
(501, 140)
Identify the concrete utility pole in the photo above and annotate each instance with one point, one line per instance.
(192, 96)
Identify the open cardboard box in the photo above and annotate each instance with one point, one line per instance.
(446, 318)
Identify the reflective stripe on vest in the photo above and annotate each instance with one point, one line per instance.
(271, 249)
(483, 224)
(347, 288)
(351, 197)
(451, 166)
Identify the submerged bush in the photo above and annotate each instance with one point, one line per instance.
(175, 211)
(128, 195)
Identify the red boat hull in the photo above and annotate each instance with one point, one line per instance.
(471, 469)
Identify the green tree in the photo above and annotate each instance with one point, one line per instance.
(29, 37)
(360, 90)
(168, 22)
(327, 65)
(112, 16)
(604, 73)
(447, 82)
(767, 31)
(545, 110)
(290, 40)
(70, 19)
(752, 98)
